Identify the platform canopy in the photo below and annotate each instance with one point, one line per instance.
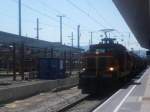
(137, 15)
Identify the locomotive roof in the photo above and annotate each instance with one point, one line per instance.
(110, 45)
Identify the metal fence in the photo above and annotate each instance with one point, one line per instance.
(21, 60)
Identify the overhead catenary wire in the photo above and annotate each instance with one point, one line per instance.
(53, 9)
(97, 12)
(102, 17)
(37, 11)
(43, 14)
(59, 13)
(52, 18)
(71, 2)
(48, 7)
(26, 20)
(86, 13)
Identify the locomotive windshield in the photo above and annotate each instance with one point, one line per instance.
(105, 46)
(101, 50)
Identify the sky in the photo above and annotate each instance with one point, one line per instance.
(91, 15)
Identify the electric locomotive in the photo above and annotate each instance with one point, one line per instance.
(107, 61)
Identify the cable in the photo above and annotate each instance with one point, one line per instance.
(43, 14)
(48, 15)
(87, 14)
(97, 12)
(84, 12)
(48, 7)
(37, 11)
(58, 12)
(100, 15)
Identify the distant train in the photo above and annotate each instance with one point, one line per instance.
(107, 61)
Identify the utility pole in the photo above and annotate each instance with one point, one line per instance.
(14, 61)
(78, 33)
(37, 28)
(22, 43)
(91, 38)
(22, 60)
(72, 39)
(89, 42)
(61, 40)
(20, 22)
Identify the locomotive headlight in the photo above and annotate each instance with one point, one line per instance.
(83, 69)
(111, 69)
(97, 53)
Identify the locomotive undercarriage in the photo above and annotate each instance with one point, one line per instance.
(90, 83)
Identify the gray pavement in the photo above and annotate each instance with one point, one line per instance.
(44, 102)
(135, 97)
(22, 89)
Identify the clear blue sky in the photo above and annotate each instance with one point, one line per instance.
(102, 14)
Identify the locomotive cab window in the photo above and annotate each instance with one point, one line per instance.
(101, 50)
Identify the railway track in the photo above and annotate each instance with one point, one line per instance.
(75, 103)
(90, 103)
(46, 102)
(87, 103)
(70, 100)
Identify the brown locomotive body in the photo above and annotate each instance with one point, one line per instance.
(107, 61)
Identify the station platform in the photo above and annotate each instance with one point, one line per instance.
(134, 97)
(16, 90)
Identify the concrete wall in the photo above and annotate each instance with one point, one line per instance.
(27, 90)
